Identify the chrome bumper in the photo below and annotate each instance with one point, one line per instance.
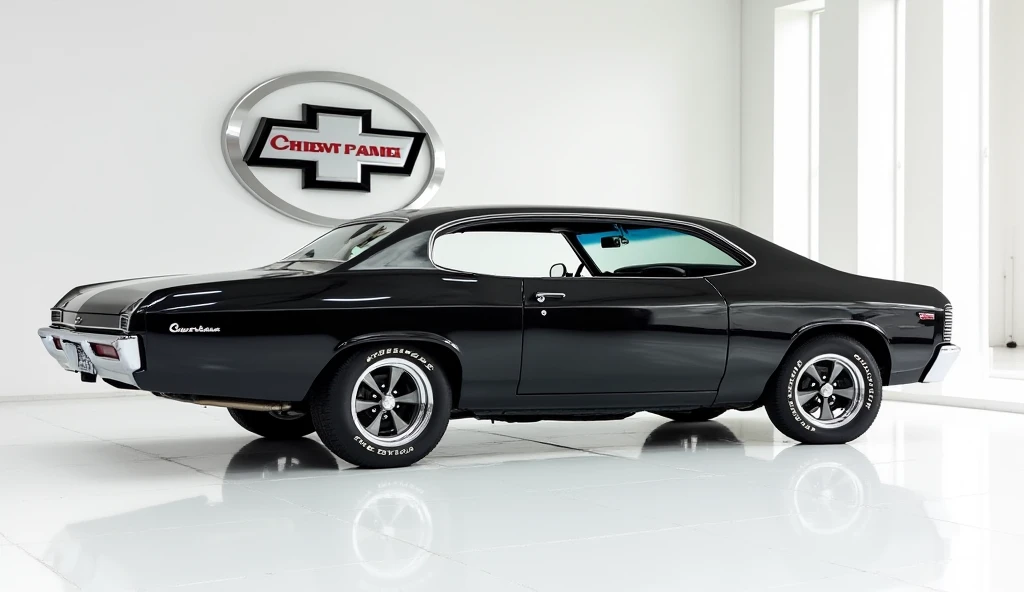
(75, 345)
(943, 361)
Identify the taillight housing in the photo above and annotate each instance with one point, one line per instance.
(105, 351)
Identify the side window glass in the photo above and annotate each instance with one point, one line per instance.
(504, 253)
(639, 250)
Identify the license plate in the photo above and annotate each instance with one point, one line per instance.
(84, 363)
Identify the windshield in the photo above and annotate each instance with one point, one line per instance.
(345, 242)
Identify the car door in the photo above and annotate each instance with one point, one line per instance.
(622, 335)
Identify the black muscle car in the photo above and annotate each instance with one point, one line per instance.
(365, 337)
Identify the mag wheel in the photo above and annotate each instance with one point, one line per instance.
(828, 391)
(386, 407)
(275, 425)
(694, 415)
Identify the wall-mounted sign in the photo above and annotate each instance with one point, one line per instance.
(324, 147)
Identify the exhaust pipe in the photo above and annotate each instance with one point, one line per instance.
(229, 403)
(246, 405)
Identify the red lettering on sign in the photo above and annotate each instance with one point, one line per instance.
(281, 142)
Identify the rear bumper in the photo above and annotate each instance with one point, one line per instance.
(941, 363)
(77, 355)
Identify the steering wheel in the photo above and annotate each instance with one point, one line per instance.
(579, 271)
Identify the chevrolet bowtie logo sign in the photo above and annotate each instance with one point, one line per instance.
(334, 147)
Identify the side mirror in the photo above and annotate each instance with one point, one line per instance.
(558, 270)
(610, 242)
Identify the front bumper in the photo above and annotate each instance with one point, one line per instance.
(942, 362)
(77, 355)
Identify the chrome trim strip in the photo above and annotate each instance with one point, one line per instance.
(76, 327)
(814, 324)
(474, 220)
(943, 362)
(121, 370)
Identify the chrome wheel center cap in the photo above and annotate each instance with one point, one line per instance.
(388, 403)
(826, 390)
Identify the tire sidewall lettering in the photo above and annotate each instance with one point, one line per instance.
(382, 451)
(869, 381)
(791, 397)
(398, 351)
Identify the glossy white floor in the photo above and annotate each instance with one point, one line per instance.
(143, 494)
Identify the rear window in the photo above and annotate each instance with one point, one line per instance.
(345, 242)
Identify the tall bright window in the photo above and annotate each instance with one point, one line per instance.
(815, 134)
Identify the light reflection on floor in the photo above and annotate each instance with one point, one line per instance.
(145, 494)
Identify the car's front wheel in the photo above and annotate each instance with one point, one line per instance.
(828, 391)
(386, 406)
(275, 425)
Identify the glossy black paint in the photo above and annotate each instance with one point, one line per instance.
(623, 335)
(610, 344)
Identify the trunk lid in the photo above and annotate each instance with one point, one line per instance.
(99, 306)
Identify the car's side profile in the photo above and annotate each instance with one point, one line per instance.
(377, 333)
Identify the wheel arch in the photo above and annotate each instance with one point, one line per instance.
(444, 350)
(871, 336)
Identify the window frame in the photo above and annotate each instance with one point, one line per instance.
(746, 260)
(483, 227)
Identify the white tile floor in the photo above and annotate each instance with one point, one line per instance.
(144, 494)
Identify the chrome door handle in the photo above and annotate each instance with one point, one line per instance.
(542, 296)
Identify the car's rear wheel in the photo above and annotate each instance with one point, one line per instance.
(828, 391)
(275, 425)
(386, 406)
(692, 415)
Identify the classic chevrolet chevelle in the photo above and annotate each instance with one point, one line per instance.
(366, 338)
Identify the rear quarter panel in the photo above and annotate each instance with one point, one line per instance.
(772, 303)
(276, 335)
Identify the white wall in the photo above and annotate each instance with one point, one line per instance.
(113, 108)
(1006, 169)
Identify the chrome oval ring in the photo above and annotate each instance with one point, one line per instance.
(231, 141)
(391, 402)
(829, 391)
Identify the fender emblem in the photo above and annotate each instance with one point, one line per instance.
(926, 316)
(176, 328)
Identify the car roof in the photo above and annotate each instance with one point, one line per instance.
(439, 216)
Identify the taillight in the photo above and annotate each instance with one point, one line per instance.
(105, 351)
(56, 342)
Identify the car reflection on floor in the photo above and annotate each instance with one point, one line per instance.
(386, 528)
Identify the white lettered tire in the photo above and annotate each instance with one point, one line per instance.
(387, 406)
(828, 391)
